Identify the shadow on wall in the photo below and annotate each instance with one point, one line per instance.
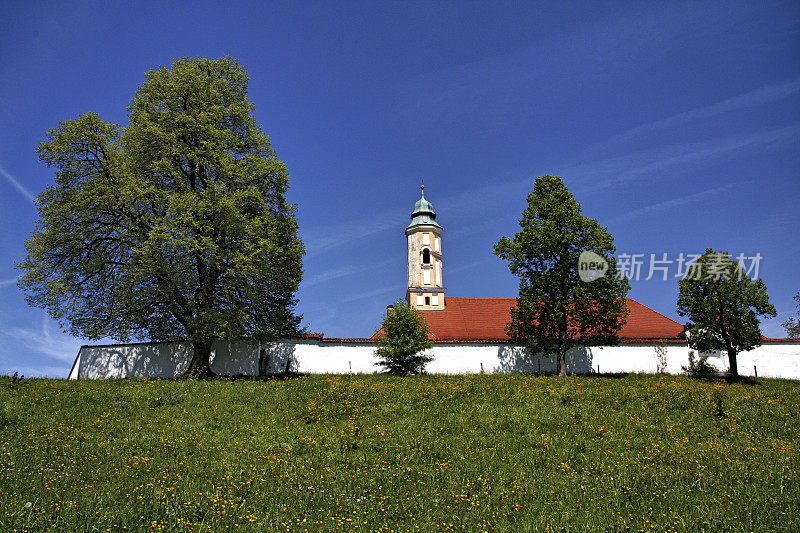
(234, 358)
(518, 359)
(277, 358)
(170, 359)
(148, 360)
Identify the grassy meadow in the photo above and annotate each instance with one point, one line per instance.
(378, 453)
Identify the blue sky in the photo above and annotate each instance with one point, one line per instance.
(676, 125)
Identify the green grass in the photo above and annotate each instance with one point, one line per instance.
(464, 453)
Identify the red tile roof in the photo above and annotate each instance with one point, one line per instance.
(484, 319)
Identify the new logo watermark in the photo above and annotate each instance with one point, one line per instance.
(591, 266)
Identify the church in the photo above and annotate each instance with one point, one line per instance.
(468, 336)
(467, 319)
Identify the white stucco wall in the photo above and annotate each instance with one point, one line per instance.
(162, 360)
(773, 360)
(157, 360)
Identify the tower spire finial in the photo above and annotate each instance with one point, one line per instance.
(422, 187)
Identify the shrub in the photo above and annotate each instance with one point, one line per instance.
(15, 380)
(699, 368)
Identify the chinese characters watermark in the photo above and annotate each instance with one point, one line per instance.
(663, 266)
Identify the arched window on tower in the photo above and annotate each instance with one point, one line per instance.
(426, 257)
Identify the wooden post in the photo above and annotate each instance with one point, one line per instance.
(755, 370)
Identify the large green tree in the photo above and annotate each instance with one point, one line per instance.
(173, 227)
(723, 305)
(556, 309)
(402, 341)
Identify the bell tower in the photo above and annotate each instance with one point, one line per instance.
(425, 289)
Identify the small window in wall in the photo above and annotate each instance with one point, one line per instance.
(435, 299)
(419, 300)
(426, 257)
(426, 238)
(427, 300)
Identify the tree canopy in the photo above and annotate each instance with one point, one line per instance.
(556, 309)
(723, 305)
(402, 341)
(173, 227)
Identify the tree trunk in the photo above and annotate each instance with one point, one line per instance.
(263, 362)
(733, 371)
(199, 366)
(562, 354)
(288, 362)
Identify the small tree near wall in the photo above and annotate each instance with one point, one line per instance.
(557, 308)
(723, 306)
(402, 341)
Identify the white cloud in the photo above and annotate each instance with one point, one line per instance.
(321, 239)
(505, 189)
(606, 173)
(8, 282)
(669, 204)
(587, 177)
(45, 341)
(603, 173)
(341, 272)
(331, 274)
(537, 73)
(372, 293)
(760, 96)
(17, 185)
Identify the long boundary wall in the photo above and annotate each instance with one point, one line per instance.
(164, 360)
